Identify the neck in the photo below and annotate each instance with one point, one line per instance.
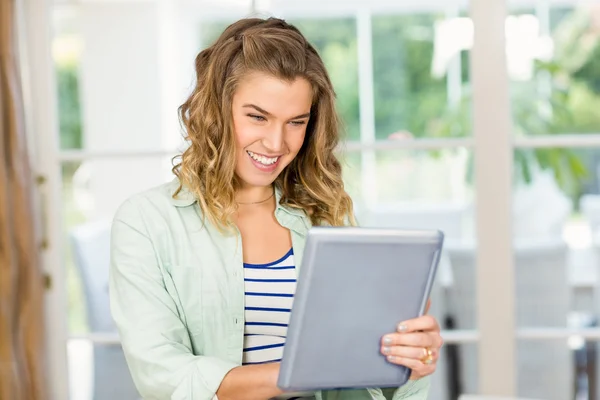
(253, 194)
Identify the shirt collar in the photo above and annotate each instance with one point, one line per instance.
(291, 218)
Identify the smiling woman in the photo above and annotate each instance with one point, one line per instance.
(200, 316)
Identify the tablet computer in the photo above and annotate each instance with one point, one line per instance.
(355, 285)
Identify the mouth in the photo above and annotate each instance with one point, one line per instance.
(263, 160)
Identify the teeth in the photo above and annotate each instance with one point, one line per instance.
(262, 159)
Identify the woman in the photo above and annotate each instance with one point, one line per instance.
(191, 258)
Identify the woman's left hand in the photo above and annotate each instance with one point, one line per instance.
(415, 345)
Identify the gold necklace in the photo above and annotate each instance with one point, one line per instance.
(257, 202)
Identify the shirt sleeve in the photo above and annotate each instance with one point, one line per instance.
(413, 390)
(155, 341)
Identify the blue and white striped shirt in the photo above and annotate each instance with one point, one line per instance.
(269, 293)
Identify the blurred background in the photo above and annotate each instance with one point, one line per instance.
(403, 74)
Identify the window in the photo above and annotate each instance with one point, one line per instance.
(415, 156)
(552, 53)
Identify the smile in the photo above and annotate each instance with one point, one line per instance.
(262, 159)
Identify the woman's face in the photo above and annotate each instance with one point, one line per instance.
(270, 118)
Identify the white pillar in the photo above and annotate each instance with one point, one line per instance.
(493, 172)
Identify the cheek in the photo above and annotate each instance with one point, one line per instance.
(295, 142)
(244, 134)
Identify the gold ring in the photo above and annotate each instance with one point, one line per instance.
(428, 356)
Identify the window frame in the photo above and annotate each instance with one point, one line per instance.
(492, 142)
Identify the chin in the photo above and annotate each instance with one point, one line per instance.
(257, 181)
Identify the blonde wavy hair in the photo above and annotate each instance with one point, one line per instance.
(313, 180)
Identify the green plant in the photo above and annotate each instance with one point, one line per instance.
(563, 98)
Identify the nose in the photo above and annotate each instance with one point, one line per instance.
(274, 139)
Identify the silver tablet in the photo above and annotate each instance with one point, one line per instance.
(355, 285)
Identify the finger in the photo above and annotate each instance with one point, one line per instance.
(416, 353)
(424, 323)
(418, 369)
(417, 339)
(428, 306)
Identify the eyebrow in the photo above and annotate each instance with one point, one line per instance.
(260, 110)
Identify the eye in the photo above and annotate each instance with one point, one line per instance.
(298, 123)
(257, 117)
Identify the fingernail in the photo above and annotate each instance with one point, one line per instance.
(387, 340)
(386, 350)
(402, 328)
(391, 358)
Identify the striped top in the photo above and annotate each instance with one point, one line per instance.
(269, 293)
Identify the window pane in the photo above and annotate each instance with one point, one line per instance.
(118, 89)
(411, 179)
(558, 369)
(554, 65)
(555, 228)
(421, 75)
(98, 372)
(66, 52)
(92, 191)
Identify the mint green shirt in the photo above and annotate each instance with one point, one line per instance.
(177, 297)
